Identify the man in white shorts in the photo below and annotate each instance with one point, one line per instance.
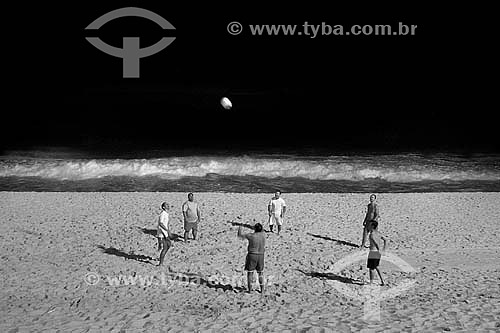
(163, 233)
(276, 209)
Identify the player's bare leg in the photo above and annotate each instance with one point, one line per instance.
(371, 276)
(249, 281)
(261, 282)
(166, 246)
(380, 276)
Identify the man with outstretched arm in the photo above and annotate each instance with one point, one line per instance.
(255, 256)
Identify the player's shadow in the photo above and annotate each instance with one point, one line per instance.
(153, 232)
(191, 278)
(331, 276)
(341, 242)
(120, 253)
(245, 225)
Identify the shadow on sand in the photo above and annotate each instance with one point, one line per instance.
(341, 242)
(152, 232)
(245, 225)
(195, 279)
(133, 256)
(331, 276)
(238, 224)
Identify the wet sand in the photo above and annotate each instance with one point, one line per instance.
(62, 255)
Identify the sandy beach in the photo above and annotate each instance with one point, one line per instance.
(63, 255)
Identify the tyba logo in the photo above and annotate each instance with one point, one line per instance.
(371, 295)
(131, 52)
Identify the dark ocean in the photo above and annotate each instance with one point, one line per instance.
(164, 171)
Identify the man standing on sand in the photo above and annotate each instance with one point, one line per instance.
(371, 215)
(192, 215)
(163, 233)
(276, 209)
(375, 253)
(255, 256)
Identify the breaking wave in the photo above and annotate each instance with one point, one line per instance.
(390, 168)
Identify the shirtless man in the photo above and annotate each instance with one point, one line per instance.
(192, 215)
(375, 252)
(371, 215)
(255, 256)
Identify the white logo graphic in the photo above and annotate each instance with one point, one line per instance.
(371, 295)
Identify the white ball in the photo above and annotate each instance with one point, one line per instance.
(226, 103)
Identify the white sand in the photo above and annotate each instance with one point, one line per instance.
(50, 241)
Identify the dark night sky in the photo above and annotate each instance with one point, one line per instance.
(427, 91)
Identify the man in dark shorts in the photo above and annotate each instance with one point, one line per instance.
(371, 215)
(192, 215)
(375, 252)
(255, 256)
